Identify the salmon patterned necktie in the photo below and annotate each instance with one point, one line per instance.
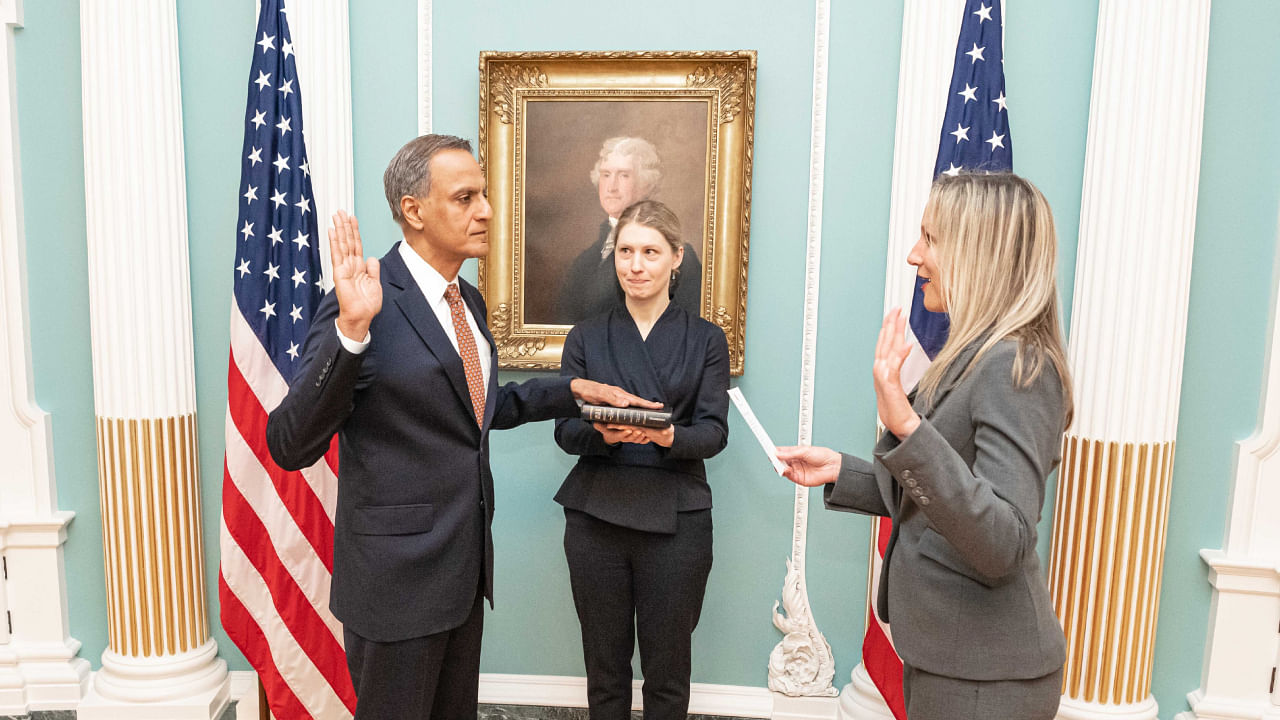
(467, 350)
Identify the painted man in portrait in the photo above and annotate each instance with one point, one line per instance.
(627, 171)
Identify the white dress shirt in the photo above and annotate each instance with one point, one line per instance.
(433, 284)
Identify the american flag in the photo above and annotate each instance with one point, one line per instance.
(277, 526)
(974, 137)
(975, 130)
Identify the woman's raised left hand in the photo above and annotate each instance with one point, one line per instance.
(892, 350)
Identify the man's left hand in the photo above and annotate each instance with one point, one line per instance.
(594, 393)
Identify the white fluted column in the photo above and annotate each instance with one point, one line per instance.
(161, 661)
(321, 36)
(929, 31)
(1128, 329)
(802, 665)
(39, 669)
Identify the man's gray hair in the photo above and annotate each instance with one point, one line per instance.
(409, 172)
(648, 164)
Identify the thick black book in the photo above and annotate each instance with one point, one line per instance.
(626, 416)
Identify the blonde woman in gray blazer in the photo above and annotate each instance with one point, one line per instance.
(962, 464)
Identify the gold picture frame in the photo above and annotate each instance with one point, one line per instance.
(545, 118)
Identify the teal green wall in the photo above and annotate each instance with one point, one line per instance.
(215, 76)
(1232, 281)
(534, 625)
(1049, 50)
(47, 53)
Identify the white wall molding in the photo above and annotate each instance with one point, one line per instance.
(929, 31)
(25, 434)
(424, 67)
(321, 35)
(786, 707)
(244, 693)
(802, 663)
(11, 13)
(1252, 531)
(39, 669)
(1243, 642)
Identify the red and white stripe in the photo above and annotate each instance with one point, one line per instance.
(880, 659)
(277, 549)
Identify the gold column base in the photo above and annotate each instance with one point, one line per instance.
(1110, 518)
(154, 551)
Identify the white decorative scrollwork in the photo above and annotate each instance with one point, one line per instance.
(802, 664)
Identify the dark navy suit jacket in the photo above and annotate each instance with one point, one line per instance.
(412, 541)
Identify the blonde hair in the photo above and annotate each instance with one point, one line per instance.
(996, 251)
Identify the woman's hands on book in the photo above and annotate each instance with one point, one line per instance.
(614, 434)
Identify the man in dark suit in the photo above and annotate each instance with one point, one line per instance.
(400, 364)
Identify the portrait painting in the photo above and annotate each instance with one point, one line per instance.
(570, 140)
(585, 163)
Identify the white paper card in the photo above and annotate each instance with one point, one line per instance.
(740, 402)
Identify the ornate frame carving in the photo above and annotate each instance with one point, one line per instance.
(510, 80)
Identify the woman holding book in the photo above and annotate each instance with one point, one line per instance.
(961, 466)
(637, 504)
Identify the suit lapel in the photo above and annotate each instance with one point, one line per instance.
(413, 304)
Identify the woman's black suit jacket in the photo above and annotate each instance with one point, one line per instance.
(684, 364)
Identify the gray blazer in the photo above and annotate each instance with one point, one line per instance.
(962, 583)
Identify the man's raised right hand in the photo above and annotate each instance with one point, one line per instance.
(355, 278)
